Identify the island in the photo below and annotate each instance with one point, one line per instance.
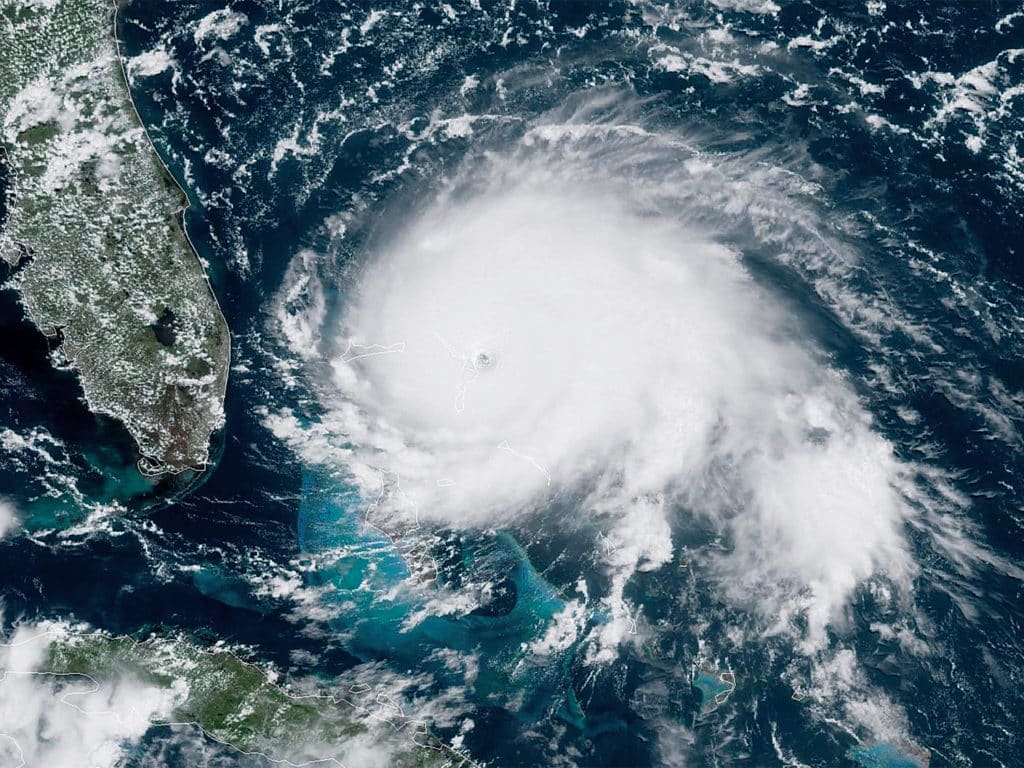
(235, 703)
(94, 238)
(714, 687)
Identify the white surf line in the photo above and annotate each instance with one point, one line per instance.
(504, 446)
(609, 547)
(417, 546)
(65, 696)
(470, 371)
(371, 350)
(387, 490)
(17, 746)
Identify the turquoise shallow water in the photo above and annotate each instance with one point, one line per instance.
(285, 127)
(714, 688)
(385, 616)
(887, 756)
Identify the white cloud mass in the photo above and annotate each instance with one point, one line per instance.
(556, 324)
(65, 721)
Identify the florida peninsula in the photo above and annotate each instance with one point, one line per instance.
(94, 235)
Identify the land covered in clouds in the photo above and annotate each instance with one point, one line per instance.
(94, 235)
(572, 335)
(68, 695)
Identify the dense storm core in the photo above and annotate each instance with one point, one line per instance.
(537, 332)
(587, 384)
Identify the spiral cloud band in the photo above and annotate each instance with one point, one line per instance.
(572, 324)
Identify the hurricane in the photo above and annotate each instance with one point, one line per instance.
(571, 320)
(612, 384)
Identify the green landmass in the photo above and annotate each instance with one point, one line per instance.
(95, 237)
(237, 703)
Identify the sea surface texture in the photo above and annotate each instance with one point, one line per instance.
(613, 384)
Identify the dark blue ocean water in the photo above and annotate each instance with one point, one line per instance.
(307, 110)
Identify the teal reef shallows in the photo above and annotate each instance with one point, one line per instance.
(714, 687)
(885, 755)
